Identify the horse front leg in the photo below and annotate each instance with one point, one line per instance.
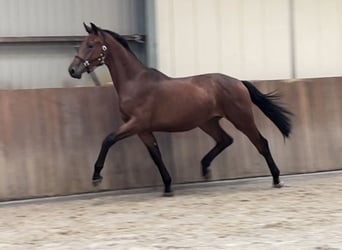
(151, 144)
(126, 130)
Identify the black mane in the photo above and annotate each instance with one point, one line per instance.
(120, 40)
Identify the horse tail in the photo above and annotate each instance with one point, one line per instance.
(279, 115)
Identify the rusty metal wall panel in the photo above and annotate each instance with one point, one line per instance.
(50, 138)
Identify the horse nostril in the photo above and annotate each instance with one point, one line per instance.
(72, 71)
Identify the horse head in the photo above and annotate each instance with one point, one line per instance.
(91, 54)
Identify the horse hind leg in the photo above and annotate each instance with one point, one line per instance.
(246, 125)
(223, 140)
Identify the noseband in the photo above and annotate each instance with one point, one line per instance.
(101, 59)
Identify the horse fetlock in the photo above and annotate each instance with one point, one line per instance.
(279, 184)
(206, 173)
(205, 162)
(168, 192)
(97, 179)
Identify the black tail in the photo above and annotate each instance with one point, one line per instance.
(267, 104)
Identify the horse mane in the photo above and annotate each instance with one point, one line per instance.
(120, 40)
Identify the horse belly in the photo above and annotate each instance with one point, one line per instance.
(182, 118)
(174, 126)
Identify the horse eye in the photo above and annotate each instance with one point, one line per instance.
(90, 46)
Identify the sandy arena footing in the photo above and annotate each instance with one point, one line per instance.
(243, 214)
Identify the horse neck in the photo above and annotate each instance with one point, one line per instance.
(123, 66)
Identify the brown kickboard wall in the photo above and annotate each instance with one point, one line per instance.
(50, 138)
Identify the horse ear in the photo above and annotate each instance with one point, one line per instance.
(94, 28)
(87, 28)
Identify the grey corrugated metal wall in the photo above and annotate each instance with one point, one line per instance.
(35, 66)
(248, 39)
(318, 37)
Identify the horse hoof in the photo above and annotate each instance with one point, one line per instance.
(279, 185)
(97, 181)
(207, 175)
(168, 194)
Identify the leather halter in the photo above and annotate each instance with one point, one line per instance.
(101, 59)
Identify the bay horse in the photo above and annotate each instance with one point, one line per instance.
(151, 101)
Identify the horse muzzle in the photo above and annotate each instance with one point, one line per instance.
(75, 72)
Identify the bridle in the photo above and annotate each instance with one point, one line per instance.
(101, 58)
